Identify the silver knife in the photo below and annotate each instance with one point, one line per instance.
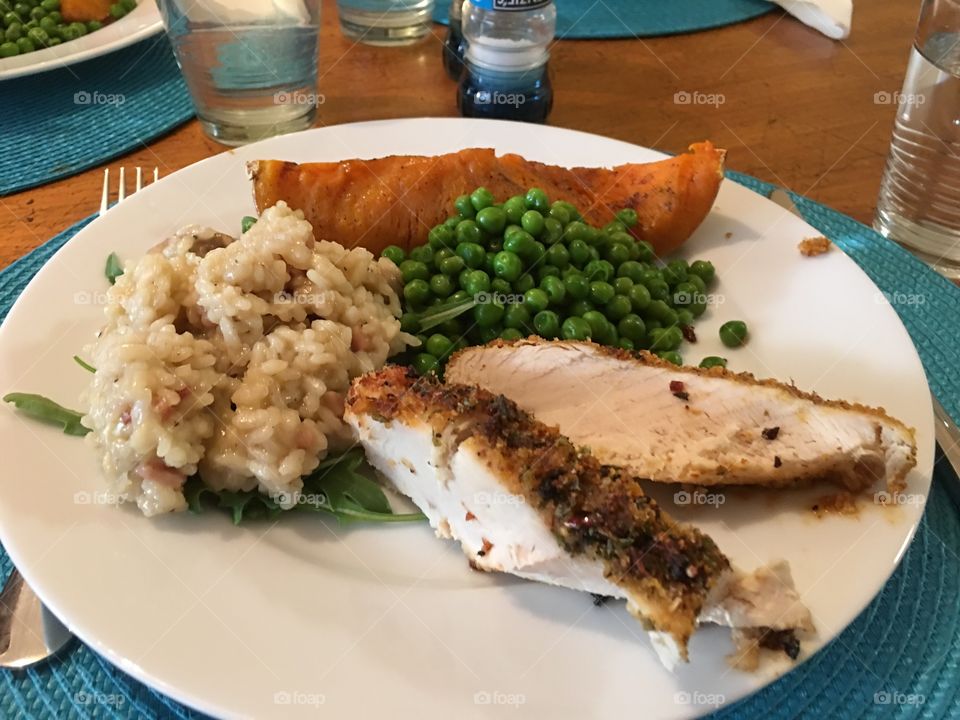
(947, 433)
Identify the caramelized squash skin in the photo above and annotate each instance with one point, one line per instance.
(396, 200)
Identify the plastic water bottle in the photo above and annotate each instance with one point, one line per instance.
(505, 74)
(453, 44)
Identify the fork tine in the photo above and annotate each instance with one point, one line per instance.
(105, 195)
(122, 192)
(139, 178)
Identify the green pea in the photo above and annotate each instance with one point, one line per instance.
(652, 324)
(423, 254)
(394, 254)
(684, 317)
(476, 282)
(622, 285)
(617, 254)
(579, 252)
(552, 231)
(58, 18)
(10, 17)
(416, 292)
(507, 265)
(684, 294)
(13, 32)
(425, 363)
(646, 251)
(675, 272)
(489, 334)
(576, 230)
(451, 265)
(524, 282)
(441, 236)
(37, 13)
(511, 334)
(521, 243)
(597, 322)
(575, 328)
(628, 216)
(536, 199)
(93, 25)
(26, 45)
(555, 289)
(704, 270)
(536, 300)
(547, 324)
(414, 270)
(458, 297)
(626, 344)
(439, 345)
(733, 333)
(65, 33)
(671, 356)
(9, 49)
(577, 286)
(659, 290)
(618, 307)
(570, 208)
(659, 310)
(713, 361)
(558, 256)
(608, 334)
(601, 270)
(78, 28)
(488, 315)
(620, 238)
(50, 5)
(560, 213)
(473, 254)
(514, 208)
(492, 220)
(537, 251)
(441, 285)
(580, 307)
(532, 222)
(465, 207)
(38, 35)
(632, 327)
(22, 9)
(410, 323)
(545, 271)
(668, 338)
(601, 292)
(468, 232)
(614, 226)
(517, 316)
(452, 222)
(639, 297)
(499, 285)
(451, 328)
(488, 262)
(481, 198)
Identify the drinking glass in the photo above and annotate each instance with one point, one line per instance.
(250, 65)
(919, 203)
(385, 22)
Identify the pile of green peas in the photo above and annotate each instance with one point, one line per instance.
(29, 25)
(536, 268)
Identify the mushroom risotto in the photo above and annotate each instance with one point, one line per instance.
(231, 358)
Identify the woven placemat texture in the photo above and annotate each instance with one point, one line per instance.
(67, 120)
(585, 19)
(900, 657)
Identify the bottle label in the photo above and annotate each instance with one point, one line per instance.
(510, 4)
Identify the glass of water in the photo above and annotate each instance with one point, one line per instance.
(919, 204)
(385, 22)
(250, 65)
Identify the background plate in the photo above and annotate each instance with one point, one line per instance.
(270, 620)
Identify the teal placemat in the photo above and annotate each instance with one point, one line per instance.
(67, 120)
(900, 657)
(584, 19)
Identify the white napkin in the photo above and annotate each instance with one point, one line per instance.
(831, 17)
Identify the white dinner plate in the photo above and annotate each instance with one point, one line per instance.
(140, 23)
(388, 621)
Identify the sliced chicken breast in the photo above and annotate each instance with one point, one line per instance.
(520, 498)
(689, 425)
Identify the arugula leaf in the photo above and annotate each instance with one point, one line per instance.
(113, 268)
(247, 222)
(441, 313)
(46, 410)
(85, 365)
(338, 487)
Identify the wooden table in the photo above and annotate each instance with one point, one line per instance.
(792, 106)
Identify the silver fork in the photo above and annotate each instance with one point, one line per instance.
(29, 632)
